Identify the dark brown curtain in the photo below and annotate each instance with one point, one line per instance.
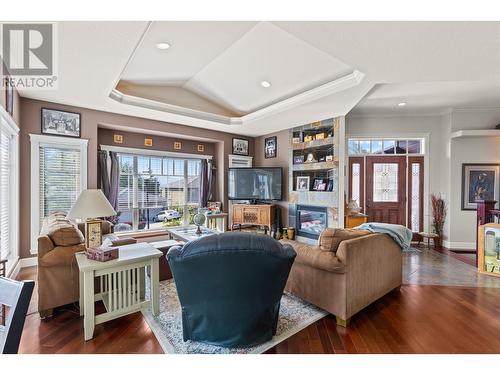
(114, 180)
(103, 164)
(204, 183)
(211, 180)
(110, 182)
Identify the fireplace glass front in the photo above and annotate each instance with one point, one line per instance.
(311, 221)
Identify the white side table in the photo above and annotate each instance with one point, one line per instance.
(216, 221)
(121, 283)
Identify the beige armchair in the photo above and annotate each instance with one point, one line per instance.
(348, 270)
(58, 274)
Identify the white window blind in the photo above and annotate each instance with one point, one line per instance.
(60, 179)
(6, 204)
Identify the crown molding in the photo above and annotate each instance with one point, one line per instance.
(332, 87)
(340, 84)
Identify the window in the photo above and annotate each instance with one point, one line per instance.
(9, 199)
(384, 146)
(58, 175)
(156, 191)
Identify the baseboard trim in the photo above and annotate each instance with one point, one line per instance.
(460, 245)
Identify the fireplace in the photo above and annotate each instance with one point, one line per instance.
(310, 221)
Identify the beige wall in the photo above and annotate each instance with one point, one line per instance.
(281, 160)
(468, 150)
(90, 122)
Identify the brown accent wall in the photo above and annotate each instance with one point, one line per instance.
(90, 122)
(281, 160)
(160, 143)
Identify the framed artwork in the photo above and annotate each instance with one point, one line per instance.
(319, 184)
(63, 123)
(240, 146)
(488, 254)
(148, 142)
(177, 145)
(270, 147)
(9, 97)
(93, 233)
(302, 183)
(479, 182)
(117, 138)
(201, 148)
(298, 159)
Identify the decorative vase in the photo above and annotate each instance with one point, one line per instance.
(290, 233)
(353, 207)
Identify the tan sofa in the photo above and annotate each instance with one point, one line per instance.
(58, 275)
(348, 270)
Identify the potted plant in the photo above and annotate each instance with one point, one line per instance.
(438, 217)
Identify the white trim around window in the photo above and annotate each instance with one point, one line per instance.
(37, 141)
(8, 125)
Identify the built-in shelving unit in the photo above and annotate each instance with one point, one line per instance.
(476, 133)
(314, 158)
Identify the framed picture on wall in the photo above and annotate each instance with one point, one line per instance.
(240, 146)
(479, 182)
(63, 123)
(270, 147)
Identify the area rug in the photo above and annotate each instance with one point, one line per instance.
(295, 315)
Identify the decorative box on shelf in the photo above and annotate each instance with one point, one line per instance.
(102, 254)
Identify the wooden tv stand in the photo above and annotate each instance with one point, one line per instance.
(253, 214)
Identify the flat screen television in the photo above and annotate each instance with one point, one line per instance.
(255, 184)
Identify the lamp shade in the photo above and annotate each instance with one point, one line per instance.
(91, 203)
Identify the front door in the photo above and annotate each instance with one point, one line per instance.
(386, 189)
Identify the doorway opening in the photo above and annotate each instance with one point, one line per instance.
(386, 179)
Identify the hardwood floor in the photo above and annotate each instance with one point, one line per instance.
(418, 319)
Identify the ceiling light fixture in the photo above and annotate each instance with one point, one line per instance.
(163, 45)
(265, 84)
(402, 104)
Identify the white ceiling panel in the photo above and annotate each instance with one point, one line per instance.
(192, 46)
(265, 53)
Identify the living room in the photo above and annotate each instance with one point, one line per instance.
(250, 187)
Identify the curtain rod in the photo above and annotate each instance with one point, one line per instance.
(141, 151)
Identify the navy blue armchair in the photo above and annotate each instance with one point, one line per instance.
(230, 286)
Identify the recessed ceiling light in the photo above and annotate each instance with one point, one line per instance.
(163, 45)
(402, 104)
(265, 84)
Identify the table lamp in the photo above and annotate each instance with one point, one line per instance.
(90, 206)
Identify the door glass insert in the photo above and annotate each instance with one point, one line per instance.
(356, 186)
(364, 147)
(385, 182)
(389, 147)
(376, 147)
(415, 197)
(401, 147)
(353, 147)
(414, 147)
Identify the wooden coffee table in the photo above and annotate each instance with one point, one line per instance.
(121, 284)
